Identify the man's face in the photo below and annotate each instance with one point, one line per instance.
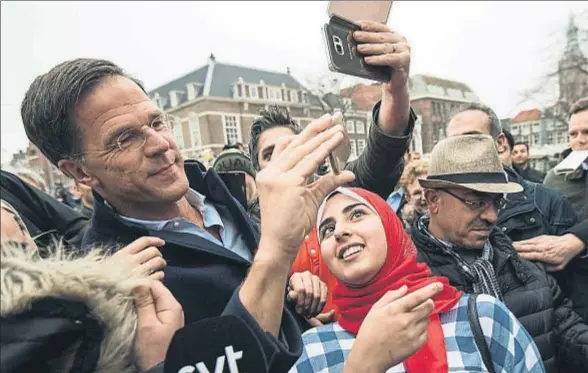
(267, 142)
(520, 155)
(578, 130)
(457, 221)
(128, 179)
(474, 122)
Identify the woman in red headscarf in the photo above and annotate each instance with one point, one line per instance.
(364, 245)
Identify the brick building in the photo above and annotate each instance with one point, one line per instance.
(357, 120)
(217, 103)
(36, 161)
(433, 99)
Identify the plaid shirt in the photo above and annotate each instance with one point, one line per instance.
(511, 347)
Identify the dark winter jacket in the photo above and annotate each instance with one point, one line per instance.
(535, 211)
(46, 218)
(532, 295)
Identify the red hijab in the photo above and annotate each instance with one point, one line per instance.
(400, 268)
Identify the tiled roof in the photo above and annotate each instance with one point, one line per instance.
(224, 76)
(365, 96)
(431, 86)
(527, 116)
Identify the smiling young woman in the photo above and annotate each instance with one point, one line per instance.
(363, 243)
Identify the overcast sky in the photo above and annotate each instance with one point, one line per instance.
(498, 48)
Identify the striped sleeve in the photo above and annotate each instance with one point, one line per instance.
(511, 346)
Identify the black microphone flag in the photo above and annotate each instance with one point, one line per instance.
(223, 344)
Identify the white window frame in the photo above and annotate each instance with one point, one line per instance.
(191, 91)
(294, 95)
(195, 134)
(178, 132)
(237, 124)
(173, 98)
(350, 125)
(353, 147)
(360, 127)
(360, 144)
(158, 101)
(253, 92)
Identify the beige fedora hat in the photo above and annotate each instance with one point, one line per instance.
(469, 161)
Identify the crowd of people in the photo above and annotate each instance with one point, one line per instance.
(466, 260)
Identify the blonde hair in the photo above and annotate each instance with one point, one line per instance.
(414, 170)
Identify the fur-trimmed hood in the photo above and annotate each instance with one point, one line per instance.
(94, 280)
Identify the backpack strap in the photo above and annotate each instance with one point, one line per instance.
(478, 333)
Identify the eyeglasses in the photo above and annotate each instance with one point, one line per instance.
(134, 138)
(480, 204)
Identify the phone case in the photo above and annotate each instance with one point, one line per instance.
(343, 55)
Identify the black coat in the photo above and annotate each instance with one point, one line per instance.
(203, 276)
(530, 293)
(46, 218)
(535, 211)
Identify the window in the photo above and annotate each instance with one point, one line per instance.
(173, 98)
(360, 146)
(350, 126)
(178, 133)
(353, 148)
(254, 92)
(260, 92)
(195, 130)
(550, 138)
(360, 127)
(191, 90)
(275, 94)
(535, 139)
(294, 96)
(157, 101)
(231, 129)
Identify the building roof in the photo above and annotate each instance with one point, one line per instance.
(421, 86)
(428, 86)
(527, 116)
(221, 80)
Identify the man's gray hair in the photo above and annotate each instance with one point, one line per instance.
(495, 125)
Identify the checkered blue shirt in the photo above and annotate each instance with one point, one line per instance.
(511, 347)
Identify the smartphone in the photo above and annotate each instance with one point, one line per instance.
(343, 55)
(355, 11)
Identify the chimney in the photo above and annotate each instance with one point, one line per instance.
(288, 70)
(212, 58)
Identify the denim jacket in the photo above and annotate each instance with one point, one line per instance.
(535, 211)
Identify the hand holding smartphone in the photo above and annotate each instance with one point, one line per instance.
(338, 35)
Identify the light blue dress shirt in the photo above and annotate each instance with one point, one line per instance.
(395, 199)
(231, 238)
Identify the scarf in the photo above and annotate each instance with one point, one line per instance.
(400, 268)
(479, 274)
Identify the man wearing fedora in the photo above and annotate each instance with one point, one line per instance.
(465, 189)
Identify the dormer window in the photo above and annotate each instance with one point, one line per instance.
(192, 91)
(173, 98)
(157, 100)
